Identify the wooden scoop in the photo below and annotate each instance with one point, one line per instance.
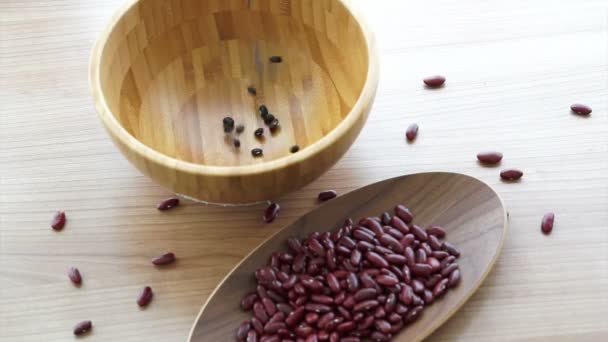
(471, 212)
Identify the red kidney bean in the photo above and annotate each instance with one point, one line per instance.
(348, 242)
(168, 203)
(322, 299)
(434, 81)
(295, 316)
(379, 336)
(374, 226)
(318, 308)
(316, 247)
(417, 286)
(413, 314)
(334, 337)
(432, 281)
(376, 259)
(273, 327)
(379, 312)
(423, 270)
(395, 233)
(324, 319)
(257, 325)
(252, 336)
(407, 240)
(401, 309)
(82, 327)
(366, 305)
(350, 339)
(511, 174)
(440, 255)
(243, 330)
(282, 276)
(428, 297)
(284, 308)
(345, 313)
(454, 278)
(406, 296)
(447, 261)
(398, 224)
(387, 280)
(547, 223)
(348, 266)
(355, 257)
(381, 299)
(396, 259)
(145, 296)
(580, 109)
(411, 132)
(434, 263)
(390, 242)
(260, 312)
(311, 338)
(277, 317)
(290, 282)
(394, 317)
(295, 245)
(299, 289)
(365, 246)
(426, 247)
(437, 231)
(332, 282)
(341, 274)
(383, 250)
(346, 327)
(303, 330)
(407, 277)
(271, 212)
(383, 326)
(58, 221)
(327, 195)
(322, 335)
(74, 275)
(391, 302)
(404, 213)
(448, 247)
(358, 316)
(330, 260)
(331, 326)
(349, 302)
(440, 288)
(449, 269)
(489, 158)
(340, 298)
(363, 236)
(248, 301)
(367, 281)
(420, 256)
(434, 243)
(410, 256)
(395, 327)
(364, 294)
(269, 306)
(419, 233)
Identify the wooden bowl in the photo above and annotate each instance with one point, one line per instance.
(164, 73)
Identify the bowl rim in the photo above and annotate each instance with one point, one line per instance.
(120, 133)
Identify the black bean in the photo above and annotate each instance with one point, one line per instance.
(251, 90)
(269, 118)
(263, 110)
(237, 143)
(257, 152)
(240, 129)
(273, 125)
(259, 132)
(294, 148)
(276, 59)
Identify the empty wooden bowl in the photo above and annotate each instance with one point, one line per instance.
(471, 212)
(164, 73)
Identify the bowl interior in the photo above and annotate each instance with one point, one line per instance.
(171, 70)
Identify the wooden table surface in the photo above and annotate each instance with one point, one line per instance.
(513, 69)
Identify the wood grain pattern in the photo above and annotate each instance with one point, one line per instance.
(513, 68)
(470, 210)
(164, 73)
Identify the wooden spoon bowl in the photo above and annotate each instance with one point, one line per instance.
(470, 210)
(166, 72)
